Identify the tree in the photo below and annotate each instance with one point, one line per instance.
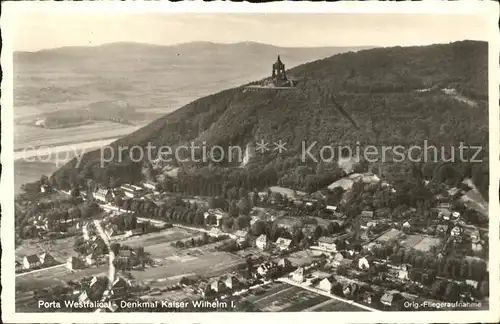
(75, 191)
(233, 209)
(258, 228)
(244, 206)
(242, 222)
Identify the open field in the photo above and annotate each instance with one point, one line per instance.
(208, 264)
(60, 249)
(280, 297)
(31, 136)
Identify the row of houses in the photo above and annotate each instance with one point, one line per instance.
(35, 261)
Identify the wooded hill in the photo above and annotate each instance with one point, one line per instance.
(387, 96)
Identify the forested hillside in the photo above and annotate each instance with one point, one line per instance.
(385, 96)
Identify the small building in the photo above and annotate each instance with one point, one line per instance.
(391, 298)
(403, 272)
(45, 188)
(46, 260)
(151, 185)
(331, 208)
(337, 259)
(103, 195)
(471, 283)
(456, 231)
(283, 243)
(475, 236)
(445, 214)
(215, 232)
(284, 263)
(267, 269)
(327, 284)
(455, 215)
(298, 275)
(214, 216)
(363, 263)
(366, 216)
(368, 297)
(262, 242)
(19, 266)
(231, 282)
(327, 243)
(217, 285)
(349, 289)
(241, 236)
(442, 229)
(31, 261)
(90, 259)
(74, 263)
(131, 191)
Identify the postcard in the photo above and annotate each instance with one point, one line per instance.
(283, 162)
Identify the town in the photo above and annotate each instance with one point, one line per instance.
(359, 244)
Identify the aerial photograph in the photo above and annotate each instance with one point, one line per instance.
(238, 162)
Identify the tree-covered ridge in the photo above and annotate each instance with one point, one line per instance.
(380, 90)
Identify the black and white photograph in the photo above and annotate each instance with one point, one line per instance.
(241, 163)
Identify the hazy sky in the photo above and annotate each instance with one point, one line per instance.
(34, 31)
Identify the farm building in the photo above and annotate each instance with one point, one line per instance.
(31, 261)
(262, 242)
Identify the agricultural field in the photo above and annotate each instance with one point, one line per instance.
(31, 136)
(280, 297)
(60, 249)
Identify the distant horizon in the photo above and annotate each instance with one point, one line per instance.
(35, 31)
(237, 43)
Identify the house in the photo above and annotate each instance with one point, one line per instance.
(471, 283)
(45, 188)
(241, 236)
(103, 195)
(84, 297)
(406, 226)
(284, 263)
(283, 243)
(403, 272)
(19, 266)
(131, 191)
(366, 215)
(390, 298)
(442, 229)
(46, 260)
(231, 282)
(214, 216)
(31, 261)
(331, 208)
(298, 275)
(217, 285)
(267, 269)
(74, 263)
(327, 284)
(445, 214)
(262, 242)
(349, 289)
(151, 185)
(90, 259)
(327, 243)
(363, 263)
(215, 232)
(456, 231)
(455, 215)
(475, 236)
(368, 297)
(337, 259)
(444, 206)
